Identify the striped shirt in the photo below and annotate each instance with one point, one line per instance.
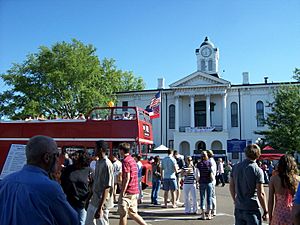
(189, 176)
(129, 166)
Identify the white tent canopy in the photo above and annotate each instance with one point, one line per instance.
(161, 147)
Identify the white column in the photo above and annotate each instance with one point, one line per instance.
(224, 112)
(176, 113)
(208, 124)
(192, 111)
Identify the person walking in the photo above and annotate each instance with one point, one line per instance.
(220, 172)
(29, 197)
(246, 189)
(282, 188)
(169, 169)
(210, 155)
(189, 187)
(205, 175)
(117, 175)
(156, 180)
(137, 158)
(75, 181)
(127, 204)
(102, 196)
(180, 163)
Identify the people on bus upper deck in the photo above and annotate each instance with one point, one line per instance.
(29, 197)
(126, 116)
(101, 200)
(41, 117)
(80, 116)
(75, 180)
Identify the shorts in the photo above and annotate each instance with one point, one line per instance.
(127, 205)
(247, 217)
(169, 184)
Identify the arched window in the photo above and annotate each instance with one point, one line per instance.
(234, 114)
(260, 113)
(201, 145)
(172, 117)
(210, 65)
(203, 65)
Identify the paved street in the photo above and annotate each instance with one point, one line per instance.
(157, 215)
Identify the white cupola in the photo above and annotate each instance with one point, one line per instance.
(208, 58)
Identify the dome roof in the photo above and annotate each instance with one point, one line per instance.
(207, 42)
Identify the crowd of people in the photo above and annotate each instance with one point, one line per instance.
(87, 190)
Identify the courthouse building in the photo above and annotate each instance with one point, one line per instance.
(203, 111)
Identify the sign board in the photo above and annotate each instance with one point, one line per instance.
(236, 145)
(15, 160)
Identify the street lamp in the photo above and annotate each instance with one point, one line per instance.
(259, 142)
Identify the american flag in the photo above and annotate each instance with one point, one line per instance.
(155, 100)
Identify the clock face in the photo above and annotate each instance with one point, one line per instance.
(206, 52)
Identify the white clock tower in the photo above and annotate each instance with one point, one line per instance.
(208, 58)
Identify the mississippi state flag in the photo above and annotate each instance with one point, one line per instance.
(153, 108)
(155, 112)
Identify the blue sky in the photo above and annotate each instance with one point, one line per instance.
(158, 38)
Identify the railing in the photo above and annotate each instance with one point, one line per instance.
(187, 129)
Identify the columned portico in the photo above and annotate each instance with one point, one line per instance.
(224, 112)
(176, 113)
(208, 123)
(192, 110)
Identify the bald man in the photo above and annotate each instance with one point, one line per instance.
(29, 197)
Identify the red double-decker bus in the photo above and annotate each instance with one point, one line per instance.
(111, 124)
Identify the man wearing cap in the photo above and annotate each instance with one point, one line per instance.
(210, 155)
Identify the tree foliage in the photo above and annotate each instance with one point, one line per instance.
(284, 120)
(296, 75)
(63, 80)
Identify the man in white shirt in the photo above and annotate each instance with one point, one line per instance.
(210, 155)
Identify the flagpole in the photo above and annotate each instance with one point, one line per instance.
(161, 126)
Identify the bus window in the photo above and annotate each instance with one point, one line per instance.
(120, 114)
(90, 152)
(100, 114)
(72, 149)
(144, 117)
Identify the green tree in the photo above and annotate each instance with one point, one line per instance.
(63, 80)
(296, 75)
(284, 120)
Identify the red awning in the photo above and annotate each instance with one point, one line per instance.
(268, 147)
(269, 153)
(269, 156)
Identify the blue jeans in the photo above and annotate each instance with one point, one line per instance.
(155, 189)
(247, 217)
(81, 215)
(206, 190)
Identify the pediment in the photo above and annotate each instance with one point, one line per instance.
(199, 79)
